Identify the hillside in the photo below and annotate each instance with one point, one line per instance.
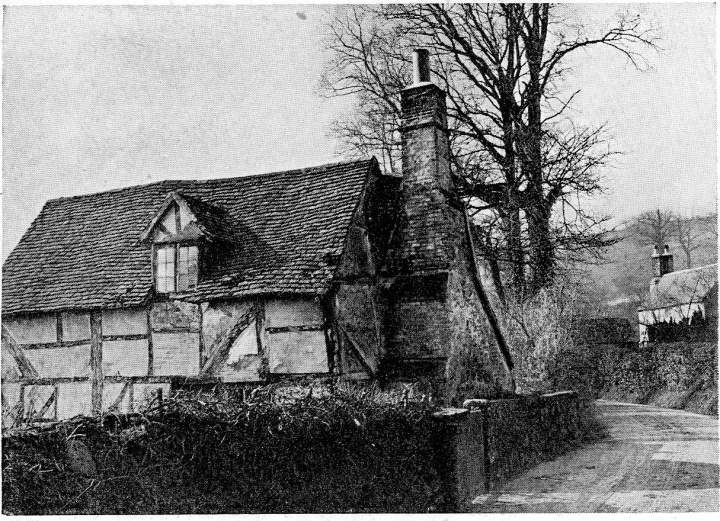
(616, 286)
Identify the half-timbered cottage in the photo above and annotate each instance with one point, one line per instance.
(337, 270)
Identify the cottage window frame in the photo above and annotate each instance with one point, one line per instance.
(192, 276)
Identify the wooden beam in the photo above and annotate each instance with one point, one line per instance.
(56, 345)
(150, 341)
(58, 328)
(26, 368)
(45, 408)
(50, 381)
(111, 338)
(259, 333)
(295, 329)
(96, 361)
(116, 403)
(358, 352)
(220, 348)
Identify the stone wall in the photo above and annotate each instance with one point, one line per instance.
(488, 441)
(680, 375)
(392, 456)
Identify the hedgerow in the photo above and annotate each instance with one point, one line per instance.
(338, 450)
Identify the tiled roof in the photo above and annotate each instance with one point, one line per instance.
(682, 287)
(85, 251)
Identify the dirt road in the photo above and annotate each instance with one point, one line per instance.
(654, 460)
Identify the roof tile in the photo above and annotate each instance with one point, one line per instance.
(84, 251)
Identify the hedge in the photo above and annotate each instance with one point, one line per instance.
(336, 452)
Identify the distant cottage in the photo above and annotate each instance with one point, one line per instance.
(331, 271)
(679, 303)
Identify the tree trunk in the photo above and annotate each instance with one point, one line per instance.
(537, 212)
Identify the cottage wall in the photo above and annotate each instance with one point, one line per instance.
(471, 334)
(435, 315)
(648, 317)
(89, 362)
(295, 333)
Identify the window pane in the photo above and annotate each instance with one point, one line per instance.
(187, 267)
(165, 270)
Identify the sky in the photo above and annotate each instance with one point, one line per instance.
(97, 98)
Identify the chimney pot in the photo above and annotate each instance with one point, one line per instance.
(421, 66)
(667, 250)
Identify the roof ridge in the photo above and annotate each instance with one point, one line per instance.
(692, 269)
(277, 173)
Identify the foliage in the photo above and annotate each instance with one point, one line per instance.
(681, 375)
(338, 450)
(518, 157)
(539, 331)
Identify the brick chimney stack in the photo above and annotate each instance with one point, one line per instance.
(434, 307)
(662, 263)
(430, 211)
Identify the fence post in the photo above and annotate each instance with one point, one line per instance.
(481, 407)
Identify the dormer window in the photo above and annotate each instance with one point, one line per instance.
(176, 268)
(180, 228)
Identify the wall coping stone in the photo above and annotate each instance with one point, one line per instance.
(450, 413)
(479, 403)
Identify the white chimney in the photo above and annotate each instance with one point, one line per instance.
(421, 66)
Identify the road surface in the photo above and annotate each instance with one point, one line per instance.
(654, 460)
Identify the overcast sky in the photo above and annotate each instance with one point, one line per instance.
(96, 98)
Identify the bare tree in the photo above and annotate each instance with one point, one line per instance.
(689, 235)
(514, 152)
(708, 224)
(654, 227)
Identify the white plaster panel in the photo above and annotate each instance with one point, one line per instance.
(124, 322)
(37, 329)
(247, 369)
(10, 368)
(295, 312)
(35, 398)
(176, 354)
(219, 318)
(60, 362)
(298, 352)
(125, 357)
(174, 315)
(144, 394)
(74, 398)
(10, 403)
(111, 392)
(75, 326)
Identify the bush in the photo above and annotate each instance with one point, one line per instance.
(538, 331)
(339, 450)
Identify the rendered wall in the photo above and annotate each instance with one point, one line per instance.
(243, 361)
(359, 319)
(417, 323)
(60, 362)
(134, 361)
(34, 329)
(175, 338)
(295, 336)
(472, 340)
(675, 314)
(73, 399)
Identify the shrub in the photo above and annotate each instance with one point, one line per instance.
(538, 331)
(339, 450)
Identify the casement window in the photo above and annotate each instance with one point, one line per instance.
(176, 267)
(180, 234)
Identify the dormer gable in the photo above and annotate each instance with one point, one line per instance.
(184, 219)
